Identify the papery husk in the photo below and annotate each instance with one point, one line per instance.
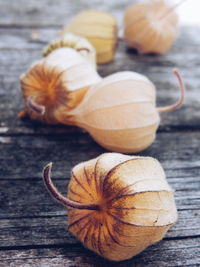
(57, 84)
(134, 204)
(150, 26)
(120, 112)
(100, 29)
(80, 44)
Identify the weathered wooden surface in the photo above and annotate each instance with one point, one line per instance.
(33, 226)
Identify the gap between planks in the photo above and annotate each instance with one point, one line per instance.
(78, 245)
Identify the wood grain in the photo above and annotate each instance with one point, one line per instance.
(168, 253)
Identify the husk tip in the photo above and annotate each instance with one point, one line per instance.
(47, 168)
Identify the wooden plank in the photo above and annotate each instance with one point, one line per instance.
(167, 253)
(51, 13)
(22, 38)
(23, 157)
(52, 230)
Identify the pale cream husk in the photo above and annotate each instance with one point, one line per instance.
(120, 112)
(136, 204)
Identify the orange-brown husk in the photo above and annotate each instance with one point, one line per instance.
(136, 204)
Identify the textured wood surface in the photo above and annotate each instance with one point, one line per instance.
(33, 226)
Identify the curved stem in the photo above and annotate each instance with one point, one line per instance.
(180, 102)
(59, 197)
(34, 106)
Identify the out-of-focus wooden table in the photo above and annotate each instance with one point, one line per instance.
(32, 226)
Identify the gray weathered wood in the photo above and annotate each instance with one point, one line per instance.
(48, 13)
(25, 156)
(167, 253)
(40, 230)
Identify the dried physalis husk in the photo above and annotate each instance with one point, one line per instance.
(74, 41)
(100, 28)
(118, 204)
(54, 85)
(120, 112)
(150, 26)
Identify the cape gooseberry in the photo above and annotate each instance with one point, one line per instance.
(120, 111)
(117, 204)
(55, 84)
(100, 29)
(151, 26)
